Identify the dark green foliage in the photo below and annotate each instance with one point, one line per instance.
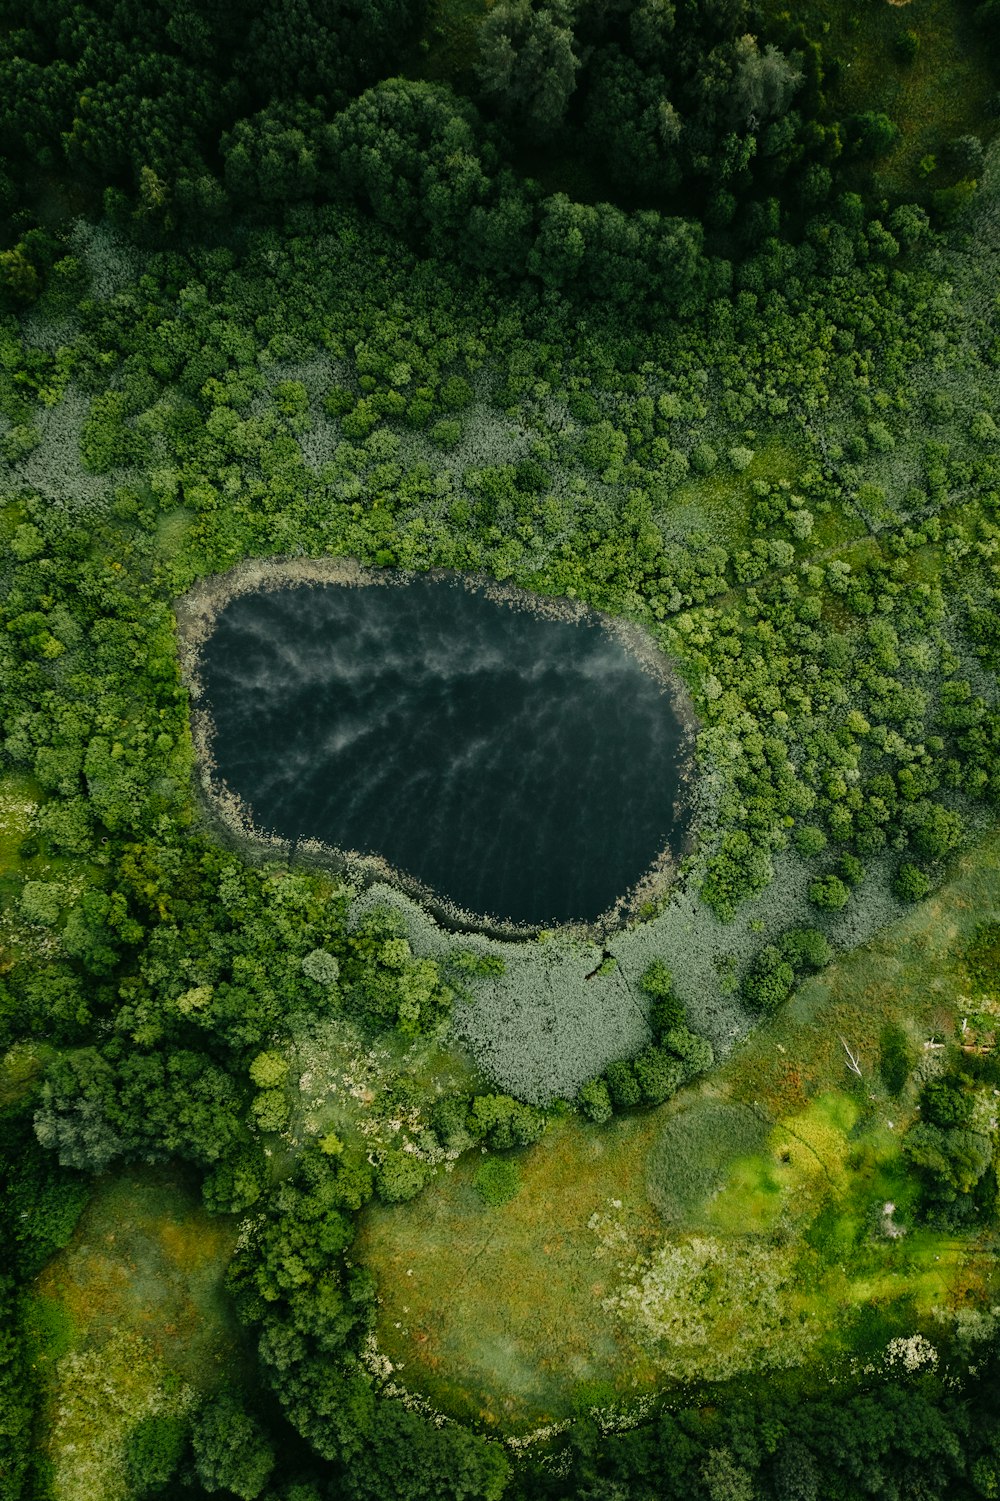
(410, 1459)
(154, 1451)
(707, 184)
(829, 893)
(503, 1122)
(595, 1101)
(497, 1180)
(872, 133)
(666, 1010)
(527, 64)
(946, 1102)
(232, 1452)
(623, 1086)
(771, 976)
(769, 981)
(911, 883)
(895, 1058)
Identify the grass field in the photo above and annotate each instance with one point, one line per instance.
(612, 1268)
(944, 92)
(131, 1319)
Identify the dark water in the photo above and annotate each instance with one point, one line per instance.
(522, 768)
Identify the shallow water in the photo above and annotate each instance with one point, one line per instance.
(520, 767)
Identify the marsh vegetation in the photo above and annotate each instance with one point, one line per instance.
(680, 315)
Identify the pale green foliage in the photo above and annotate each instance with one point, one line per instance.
(711, 1308)
(271, 1110)
(42, 901)
(100, 1397)
(269, 1070)
(321, 967)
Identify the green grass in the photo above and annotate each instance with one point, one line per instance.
(129, 1320)
(781, 1164)
(19, 797)
(943, 93)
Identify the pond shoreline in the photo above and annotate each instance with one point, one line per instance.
(230, 818)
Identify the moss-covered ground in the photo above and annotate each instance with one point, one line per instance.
(129, 1320)
(764, 1220)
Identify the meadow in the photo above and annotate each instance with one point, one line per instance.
(777, 1170)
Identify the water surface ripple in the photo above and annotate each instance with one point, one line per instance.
(521, 767)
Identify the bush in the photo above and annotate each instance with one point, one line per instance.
(400, 1176)
(910, 883)
(498, 1180)
(806, 949)
(695, 1053)
(895, 1058)
(769, 981)
(809, 840)
(595, 1101)
(944, 1103)
(829, 894)
(505, 1122)
(704, 458)
(658, 1074)
(153, 1451)
(907, 46)
(447, 433)
(623, 1086)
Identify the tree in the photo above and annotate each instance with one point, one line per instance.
(231, 1450)
(527, 63)
(764, 82)
(412, 1460)
(829, 893)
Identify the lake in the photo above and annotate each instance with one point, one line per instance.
(511, 764)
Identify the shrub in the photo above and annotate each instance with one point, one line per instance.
(907, 46)
(623, 1085)
(769, 981)
(829, 893)
(154, 1450)
(704, 458)
(400, 1176)
(447, 433)
(911, 883)
(595, 1101)
(497, 1180)
(695, 1053)
(505, 1122)
(809, 840)
(944, 1103)
(805, 949)
(658, 1074)
(450, 1122)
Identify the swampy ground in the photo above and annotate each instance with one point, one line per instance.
(521, 1314)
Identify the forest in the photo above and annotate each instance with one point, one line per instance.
(681, 311)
